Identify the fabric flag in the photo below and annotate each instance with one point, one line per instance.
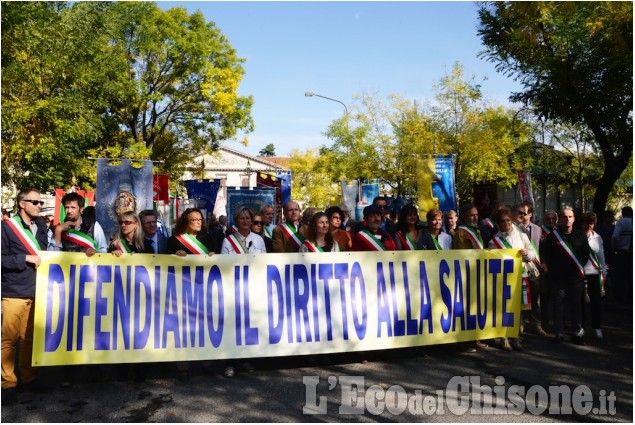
(252, 198)
(269, 180)
(350, 195)
(60, 214)
(368, 191)
(205, 190)
(122, 188)
(426, 176)
(441, 173)
(525, 191)
(160, 187)
(220, 207)
(285, 188)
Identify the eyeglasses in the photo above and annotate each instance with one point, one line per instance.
(34, 202)
(383, 207)
(258, 222)
(126, 222)
(521, 213)
(196, 220)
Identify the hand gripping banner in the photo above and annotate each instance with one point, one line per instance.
(157, 308)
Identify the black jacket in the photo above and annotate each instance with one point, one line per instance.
(18, 276)
(559, 265)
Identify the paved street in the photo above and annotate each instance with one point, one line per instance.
(275, 391)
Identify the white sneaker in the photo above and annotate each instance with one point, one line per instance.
(229, 372)
(598, 334)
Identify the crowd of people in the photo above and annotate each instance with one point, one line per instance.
(565, 260)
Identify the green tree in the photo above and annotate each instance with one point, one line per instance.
(310, 185)
(96, 77)
(575, 63)
(269, 150)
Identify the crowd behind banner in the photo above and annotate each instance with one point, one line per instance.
(562, 265)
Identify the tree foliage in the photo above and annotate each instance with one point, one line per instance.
(100, 77)
(269, 150)
(310, 185)
(575, 63)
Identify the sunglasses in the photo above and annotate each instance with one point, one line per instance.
(126, 222)
(381, 207)
(258, 223)
(521, 213)
(34, 202)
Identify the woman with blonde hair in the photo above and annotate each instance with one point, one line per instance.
(129, 238)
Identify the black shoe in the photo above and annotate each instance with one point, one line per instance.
(557, 339)
(9, 395)
(578, 340)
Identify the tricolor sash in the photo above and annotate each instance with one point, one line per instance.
(122, 246)
(545, 230)
(312, 247)
(25, 236)
(234, 229)
(537, 258)
(192, 244)
(407, 242)
(292, 234)
(501, 243)
(437, 244)
(489, 222)
(473, 235)
(80, 238)
(569, 252)
(372, 241)
(268, 232)
(237, 244)
(595, 262)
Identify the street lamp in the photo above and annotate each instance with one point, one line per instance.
(311, 94)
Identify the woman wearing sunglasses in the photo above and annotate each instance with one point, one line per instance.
(190, 235)
(129, 238)
(258, 227)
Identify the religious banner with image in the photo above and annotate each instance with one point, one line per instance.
(269, 180)
(122, 188)
(252, 198)
(205, 192)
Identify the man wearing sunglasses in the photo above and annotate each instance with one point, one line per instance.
(387, 225)
(78, 233)
(23, 236)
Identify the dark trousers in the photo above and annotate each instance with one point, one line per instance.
(567, 292)
(546, 313)
(595, 298)
(533, 317)
(622, 276)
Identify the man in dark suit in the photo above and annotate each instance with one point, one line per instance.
(349, 224)
(151, 238)
(387, 225)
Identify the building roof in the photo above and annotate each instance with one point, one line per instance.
(282, 161)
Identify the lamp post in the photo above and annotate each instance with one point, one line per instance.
(311, 94)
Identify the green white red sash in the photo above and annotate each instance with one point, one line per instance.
(122, 246)
(312, 247)
(437, 244)
(292, 234)
(237, 244)
(569, 252)
(407, 242)
(474, 236)
(268, 232)
(595, 262)
(234, 229)
(501, 243)
(489, 222)
(80, 238)
(371, 241)
(545, 230)
(25, 236)
(192, 244)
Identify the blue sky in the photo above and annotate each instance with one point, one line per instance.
(339, 49)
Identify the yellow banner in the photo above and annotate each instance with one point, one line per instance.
(150, 308)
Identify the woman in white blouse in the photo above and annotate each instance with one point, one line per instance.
(510, 237)
(243, 241)
(594, 271)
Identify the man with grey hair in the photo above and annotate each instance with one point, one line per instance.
(348, 223)
(267, 213)
(566, 252)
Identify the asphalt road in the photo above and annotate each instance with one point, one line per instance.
(276, 392)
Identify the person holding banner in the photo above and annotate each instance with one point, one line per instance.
(23, 237)
(342, 237)
(318, 235)
(437, 239)
(566, 252)
(288, 236)
(190, 236)
(155, 242)
(594, 272)
(129, 238)
(509, 237)
(370, 237)
(243, 240)
(467, 235)
(409, 235)
(258, 226)
(78, 233)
